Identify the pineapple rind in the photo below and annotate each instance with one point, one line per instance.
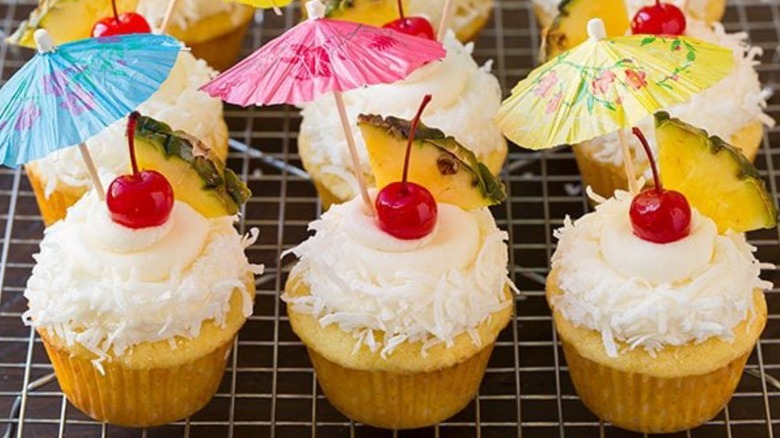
(747, 207)
(217, 181)
(490, 188)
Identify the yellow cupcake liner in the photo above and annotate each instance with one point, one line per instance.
(136, 397)
(649, 404)
(221, 52)
(56, 205)
(397, 400)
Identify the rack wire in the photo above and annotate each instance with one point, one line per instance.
(270, 390)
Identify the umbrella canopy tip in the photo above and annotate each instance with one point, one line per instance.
(315, 9)
(43, 41)
(596, 29)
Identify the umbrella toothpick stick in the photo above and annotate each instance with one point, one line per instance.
(167, 16)
(368, 207)
(276, 8)
(628, 162)
(446, 16)
(93, 173)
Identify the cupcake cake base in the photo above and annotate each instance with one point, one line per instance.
(153, 383)
(404, 390)
(678, 388)
(55, 206)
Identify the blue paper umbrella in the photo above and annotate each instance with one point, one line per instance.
(67, 94)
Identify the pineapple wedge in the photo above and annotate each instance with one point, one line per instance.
(66, 20)
(715, 177)
(373, 12)
(198, 176)
(569, 28)
(451, 172)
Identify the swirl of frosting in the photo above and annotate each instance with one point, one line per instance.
(430, 290)
(178, 103)
(108, 287)
(651, 295)
(466, 97)
(187, 12)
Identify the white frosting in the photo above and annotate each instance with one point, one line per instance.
(651, 295)
(464, 13)
(697, 7)
(721, 110)
(108, 288)
(178, 103)
(465, 100)
(188, 12)
(429, 290)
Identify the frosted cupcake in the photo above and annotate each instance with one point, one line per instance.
(468, 17)
(705, 10)
(213, 29)
(400, 312)
(138, 299)
(60, 179)
(467, 97)
(733, 110)
(658, 303)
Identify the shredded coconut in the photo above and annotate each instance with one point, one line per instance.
(114, 310)
(431, 304)
(633, 310)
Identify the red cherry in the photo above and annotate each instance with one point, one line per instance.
(659, 19)
(658, 215)
(415, 26)
(404, 209)
(143, 199)
(120, 24)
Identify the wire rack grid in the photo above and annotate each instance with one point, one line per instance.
(270, 390)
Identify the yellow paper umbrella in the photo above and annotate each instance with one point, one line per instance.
(608, 84)
(276, 5)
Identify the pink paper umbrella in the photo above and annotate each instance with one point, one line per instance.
(320, 56)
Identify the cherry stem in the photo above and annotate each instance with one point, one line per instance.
(412, 133)
(638, 133)
(132, 121)
(113, 6)
(401, 9)
(658, 3)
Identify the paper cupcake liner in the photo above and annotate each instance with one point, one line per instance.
(56, 205)
(395, 401)
(221, 52)
(647, 404)
(136, 397)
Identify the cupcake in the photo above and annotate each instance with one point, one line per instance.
(138, 299)
(468, 16)
(400, 314)
(466, 99)
(733, 110)
(60, 179)
(657, 300)
(705, 10)
(214, 29)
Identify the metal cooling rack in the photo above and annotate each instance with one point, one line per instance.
(270, 389)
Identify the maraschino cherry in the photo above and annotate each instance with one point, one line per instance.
(659, 19)
(143, 199)
(658, 215)
(415, 26)
(404, 209)
(120, 24)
